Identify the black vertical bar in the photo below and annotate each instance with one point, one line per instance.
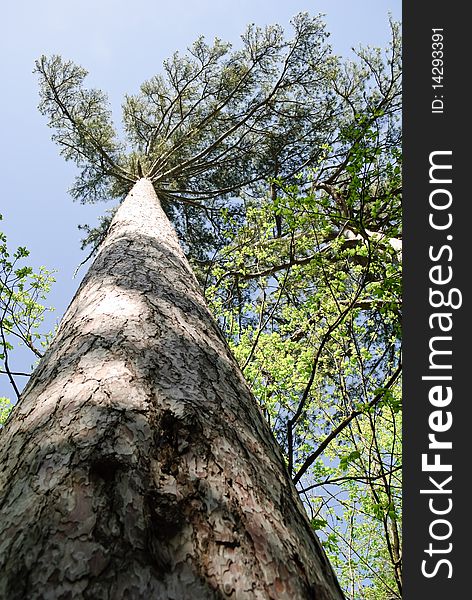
(437, 263)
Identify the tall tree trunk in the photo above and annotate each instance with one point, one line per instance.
(137, 464)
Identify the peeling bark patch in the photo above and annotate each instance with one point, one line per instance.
(173, 437)
(165, 515)
(105, 468)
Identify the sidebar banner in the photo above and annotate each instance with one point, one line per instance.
(437, 320)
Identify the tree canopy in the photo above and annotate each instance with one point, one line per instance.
(219, 121)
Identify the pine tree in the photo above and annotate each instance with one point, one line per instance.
(137, 463)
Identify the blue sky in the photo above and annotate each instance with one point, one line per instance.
(121, 44)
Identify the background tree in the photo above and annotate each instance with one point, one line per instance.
(21, 311)
(313, 313)
(5, 408)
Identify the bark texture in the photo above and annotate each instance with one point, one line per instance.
(137, 464)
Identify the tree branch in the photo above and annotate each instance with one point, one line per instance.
(322, 447)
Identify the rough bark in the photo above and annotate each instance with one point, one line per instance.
(137, 464)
